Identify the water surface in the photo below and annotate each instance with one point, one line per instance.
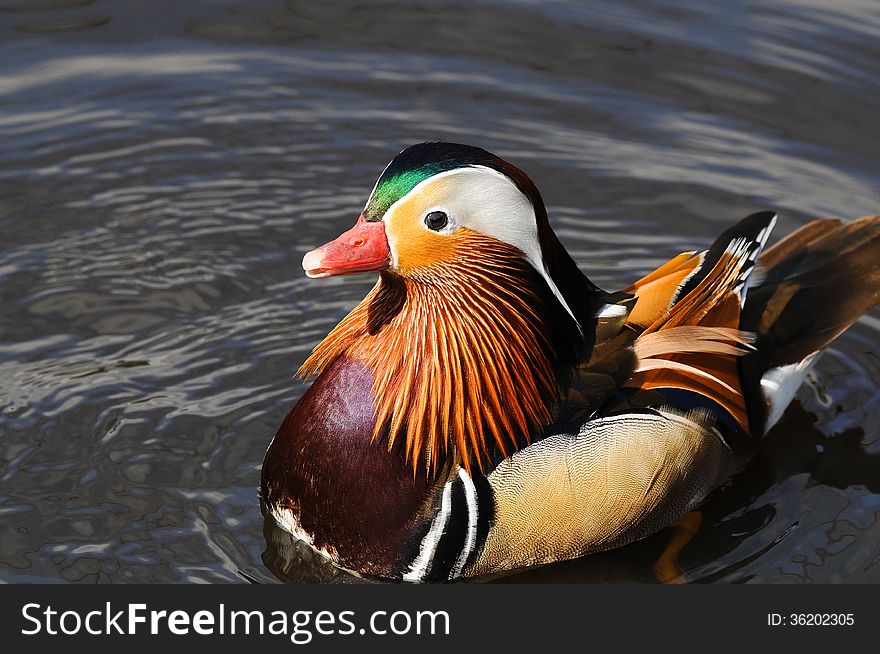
(164, 166)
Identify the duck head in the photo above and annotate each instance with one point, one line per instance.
(426, 208)
(479, 313)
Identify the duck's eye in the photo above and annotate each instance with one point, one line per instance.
(436, 220)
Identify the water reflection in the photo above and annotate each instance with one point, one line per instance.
(164, 171)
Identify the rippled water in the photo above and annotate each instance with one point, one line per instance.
(165, 165)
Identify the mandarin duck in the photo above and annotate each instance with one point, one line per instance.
(487, 408)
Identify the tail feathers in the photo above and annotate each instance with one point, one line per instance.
(817, 282)
(778, 388)
(798, 239)
(816, 290)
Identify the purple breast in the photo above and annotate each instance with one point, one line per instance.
(348, 492)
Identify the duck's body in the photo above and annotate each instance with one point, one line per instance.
(487, 408)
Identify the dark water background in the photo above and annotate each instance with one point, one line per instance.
(165, 165)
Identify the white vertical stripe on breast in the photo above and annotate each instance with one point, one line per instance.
(470, 494)
(420, 566)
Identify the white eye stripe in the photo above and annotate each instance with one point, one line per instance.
(487, 201)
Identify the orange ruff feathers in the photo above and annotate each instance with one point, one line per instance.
(458, 358)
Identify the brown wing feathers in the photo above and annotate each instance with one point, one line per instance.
(813, 285)
(696, 343)
(657, 291)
